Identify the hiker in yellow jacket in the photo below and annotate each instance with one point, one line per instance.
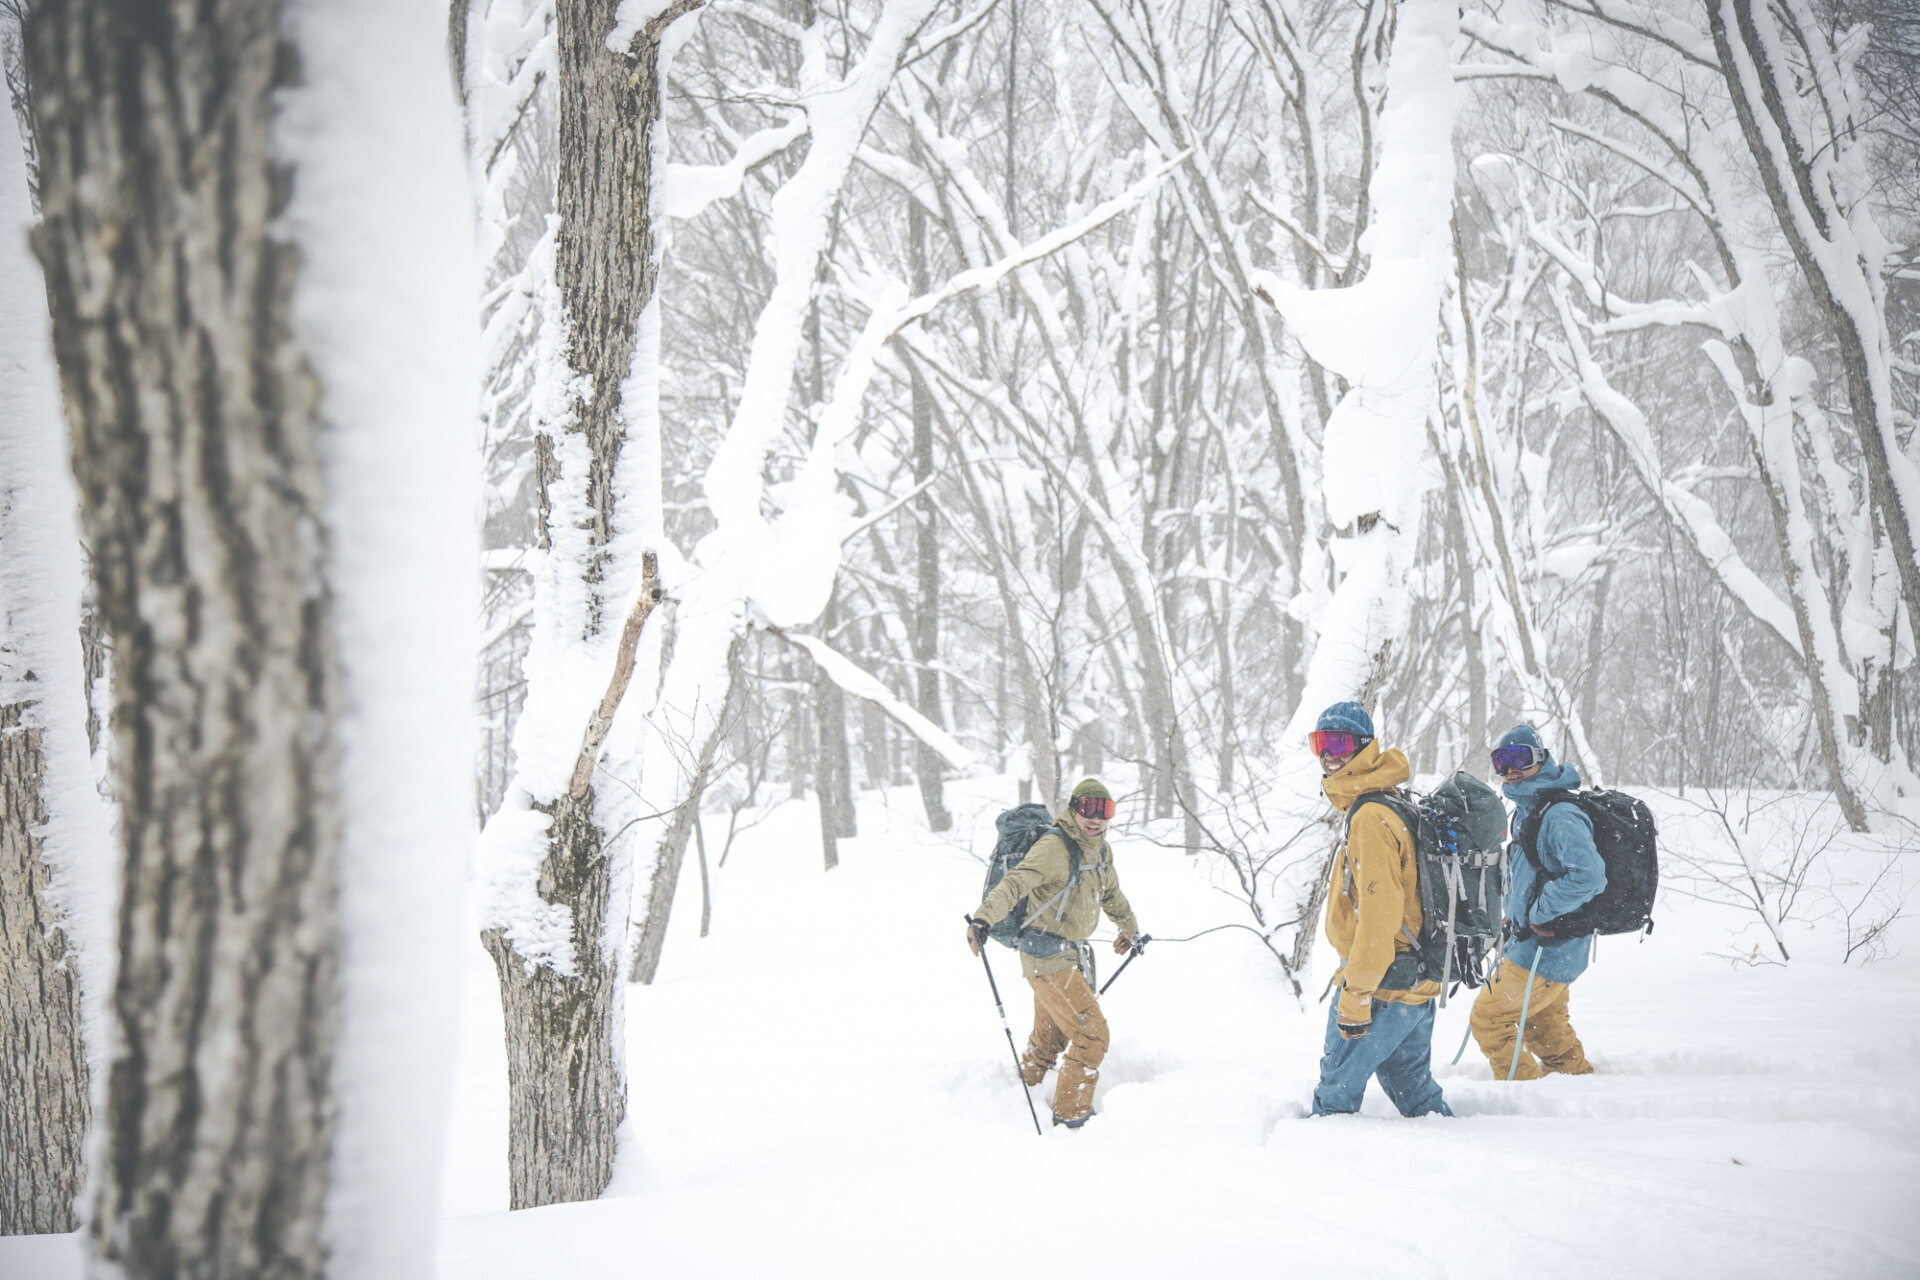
(1066, 1015)
(1381, 1024)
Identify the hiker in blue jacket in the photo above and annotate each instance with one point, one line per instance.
(1563, 874)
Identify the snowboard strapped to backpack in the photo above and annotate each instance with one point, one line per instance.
(1020, 829)
(1459, 834)
(1624, 834)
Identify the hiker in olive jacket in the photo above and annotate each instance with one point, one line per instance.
(1381, 1023)
(1066, 1015)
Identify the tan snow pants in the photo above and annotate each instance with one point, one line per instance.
(1496, 1021)
(1066, 1016)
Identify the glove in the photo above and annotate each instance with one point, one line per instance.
(1123, 944)
(976, 933)
(1541, 930)
(1353, 1030)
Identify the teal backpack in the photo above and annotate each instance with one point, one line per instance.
(1020, 829)
(1459, 832)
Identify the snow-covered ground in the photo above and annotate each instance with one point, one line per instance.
(821, 1087)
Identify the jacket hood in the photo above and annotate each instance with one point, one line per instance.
(1371, 769)
(1553, 776)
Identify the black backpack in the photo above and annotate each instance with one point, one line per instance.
(1459, 834)
(1624, 833)
(1020, 829)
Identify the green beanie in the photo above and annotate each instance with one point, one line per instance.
(1092, 787)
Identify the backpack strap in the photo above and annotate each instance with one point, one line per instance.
(1529, 835)
(1073, 876)
(1409, 817)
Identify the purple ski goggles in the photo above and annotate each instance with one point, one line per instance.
(1517, 757)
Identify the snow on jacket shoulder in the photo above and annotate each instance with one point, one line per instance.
(1375, 923)
(1574, 873)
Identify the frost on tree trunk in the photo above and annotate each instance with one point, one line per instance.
(567, 1092)
(195, 418)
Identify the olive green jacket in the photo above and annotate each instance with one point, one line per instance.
(1041, 875)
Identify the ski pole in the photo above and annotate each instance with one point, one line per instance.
(1463, 1040)
(1525, 1001)
(1007, 1027)
(1139, 945)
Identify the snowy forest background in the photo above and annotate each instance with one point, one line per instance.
(890, 394)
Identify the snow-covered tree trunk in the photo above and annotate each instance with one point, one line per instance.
(1381, 335)
(552, 870)
(250, 219)
(54, 855)
(782, 571)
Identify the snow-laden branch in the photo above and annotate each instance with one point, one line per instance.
(837, 111)
(1688, 513)
(1046, 246)
(851, 677)
(686, 190)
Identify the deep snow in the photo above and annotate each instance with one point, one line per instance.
(821, 1087)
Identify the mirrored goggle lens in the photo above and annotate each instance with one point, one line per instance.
(1515, 758)
(1332, 742)
(1093, 807)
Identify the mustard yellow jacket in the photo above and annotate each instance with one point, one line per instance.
(1373, 901)
(1041, 875)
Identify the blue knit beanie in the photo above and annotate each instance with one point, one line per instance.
(1521, 734)
(1347, 717)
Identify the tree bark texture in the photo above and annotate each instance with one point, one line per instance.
(567, 1093)
(604, 256)
(44, 1104)
(195, 424)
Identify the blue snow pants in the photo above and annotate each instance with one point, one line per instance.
(1399, 1049)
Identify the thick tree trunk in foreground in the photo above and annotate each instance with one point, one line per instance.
(43, 1066)
(195, 426)
(568, 1096)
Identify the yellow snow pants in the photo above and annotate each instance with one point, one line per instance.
(1066, 1016)
(1496, 1021)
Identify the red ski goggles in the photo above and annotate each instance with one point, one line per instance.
(1092, 807)
(1335, 742)
(1517, 757)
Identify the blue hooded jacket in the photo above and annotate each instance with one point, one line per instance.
(1575, 873)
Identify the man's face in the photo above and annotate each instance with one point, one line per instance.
(1519, 775)
(1331, 764)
